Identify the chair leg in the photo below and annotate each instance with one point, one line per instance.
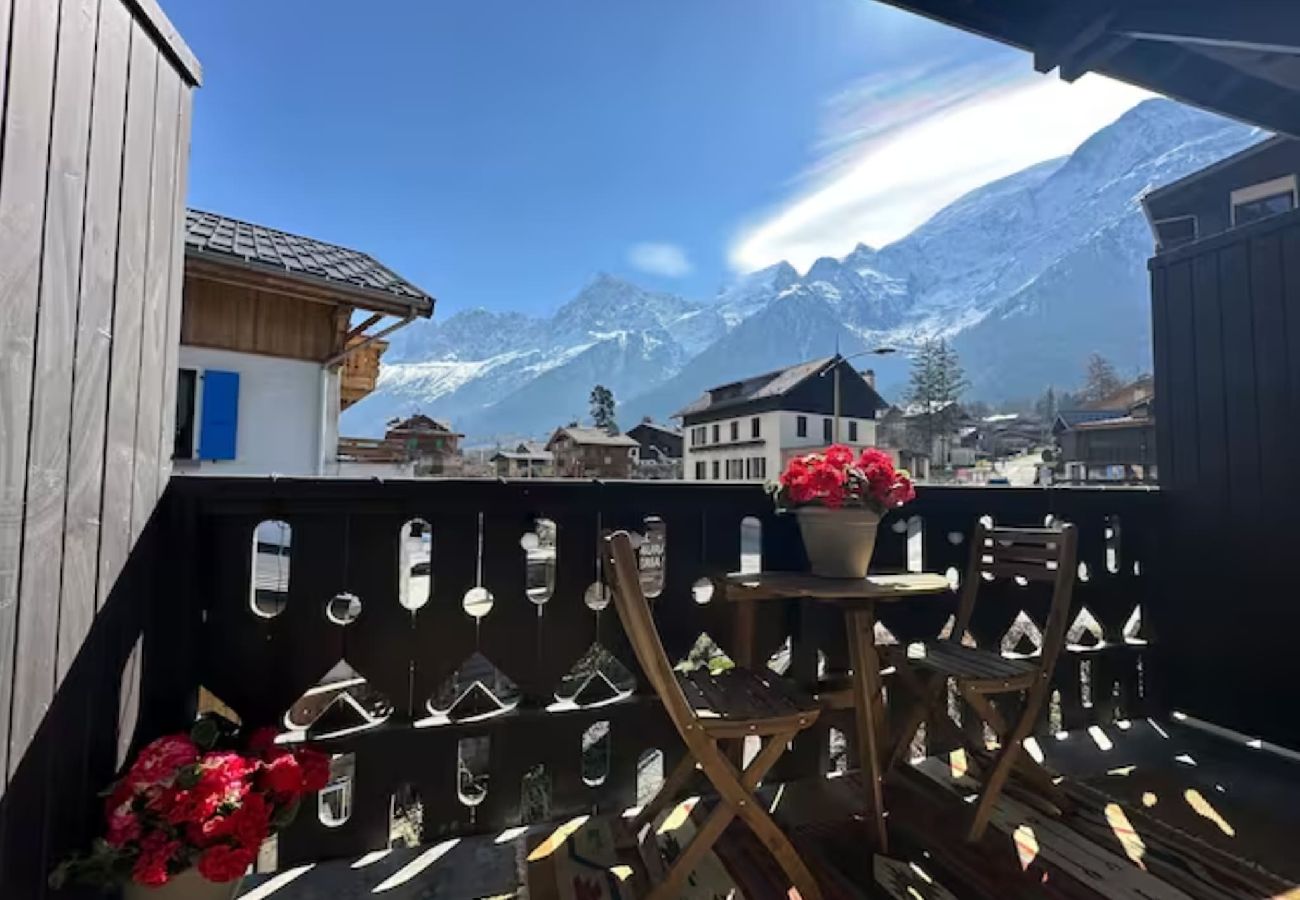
(925, 693)
(737, 799)
(1026, 765)
(667, 792)
(1004, 761)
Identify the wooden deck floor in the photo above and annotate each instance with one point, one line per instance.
(1164, 812)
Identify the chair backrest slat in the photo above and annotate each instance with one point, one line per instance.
(624, 578)
(1044, 555)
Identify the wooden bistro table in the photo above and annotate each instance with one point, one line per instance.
(857, 597)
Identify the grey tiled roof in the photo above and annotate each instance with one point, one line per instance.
(769, 384)
(593, 436)
(220, 236)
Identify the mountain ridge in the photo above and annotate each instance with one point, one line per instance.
(1046, 261)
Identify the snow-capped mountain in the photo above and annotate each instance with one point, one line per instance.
(1027, 275)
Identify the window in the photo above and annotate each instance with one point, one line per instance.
(717, 432)
(1259, 201)
(756, 468)
(717, 468)
(735, 469)
(828, 430)
(801, 426)
(701, 471)
(1171, 233)
(187, 385)
(735, 431)
(853, 431)
(755, 426)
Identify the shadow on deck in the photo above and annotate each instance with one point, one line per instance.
(1164, 811)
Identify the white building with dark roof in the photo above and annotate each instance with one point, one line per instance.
(747, 429)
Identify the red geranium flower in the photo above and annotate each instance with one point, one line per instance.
(836, 478)
(222, 863)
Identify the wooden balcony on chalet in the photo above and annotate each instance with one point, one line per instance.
(360, 370)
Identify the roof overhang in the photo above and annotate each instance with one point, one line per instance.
(1239, 58)
(226, 269)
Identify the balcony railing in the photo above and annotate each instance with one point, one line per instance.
(452, 643)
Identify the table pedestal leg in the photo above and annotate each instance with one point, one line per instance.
(861, 627)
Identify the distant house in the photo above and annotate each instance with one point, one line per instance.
(430, 443)
(661, 449)
(269, 353)
(592, 453)
(529, 459)
(1115, 445)
(946, 435)
(371, 458)
(746, 430)
(1010, 434)
(1254, 184)
(664, 440)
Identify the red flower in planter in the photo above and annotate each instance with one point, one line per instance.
(197, 800)
(223, 863)
(836, 478)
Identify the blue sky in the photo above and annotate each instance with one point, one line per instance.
(499, 152)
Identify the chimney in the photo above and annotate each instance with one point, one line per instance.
(870, 376)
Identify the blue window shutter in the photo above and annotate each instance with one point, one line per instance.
(220, 417)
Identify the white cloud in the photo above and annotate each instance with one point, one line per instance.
(667, 260)
(900, 146)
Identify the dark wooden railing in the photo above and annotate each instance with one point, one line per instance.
(509, 693)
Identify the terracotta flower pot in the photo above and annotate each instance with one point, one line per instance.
(839, 542)
(189, 885)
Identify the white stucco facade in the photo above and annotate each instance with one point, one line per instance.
(757, 453)
(288, 414)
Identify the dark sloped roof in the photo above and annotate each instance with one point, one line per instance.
(1073, 417)
(223, 238)
(769, 384)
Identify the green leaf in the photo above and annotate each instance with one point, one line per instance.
(205, 733)
(285, 815)
(188, 776)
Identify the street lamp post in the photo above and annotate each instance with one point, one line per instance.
(835, 367)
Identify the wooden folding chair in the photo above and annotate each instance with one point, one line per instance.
(1033, 555)
(707, 709)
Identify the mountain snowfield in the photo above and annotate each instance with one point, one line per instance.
(1026, 276)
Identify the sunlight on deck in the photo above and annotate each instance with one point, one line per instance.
(370, 858)
(1100, 738)
(1026, 846)
(271, 886)
(1202, 807)
(416, 866)
(1127, 836)
(677, 818)
(958, 764)
(556, 839)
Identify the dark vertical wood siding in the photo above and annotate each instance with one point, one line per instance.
(94, 131)
(1226, 321)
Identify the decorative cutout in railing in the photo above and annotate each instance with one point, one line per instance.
(453, 642)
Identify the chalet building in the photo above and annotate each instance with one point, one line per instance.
(657, 440)
(529, 459)
(1254, 184)
(269, 350)
(1108, 446)
(431, 444)
(661, 449)
(592, 453)
(371, 458)
(746, 430)
(953, 440)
